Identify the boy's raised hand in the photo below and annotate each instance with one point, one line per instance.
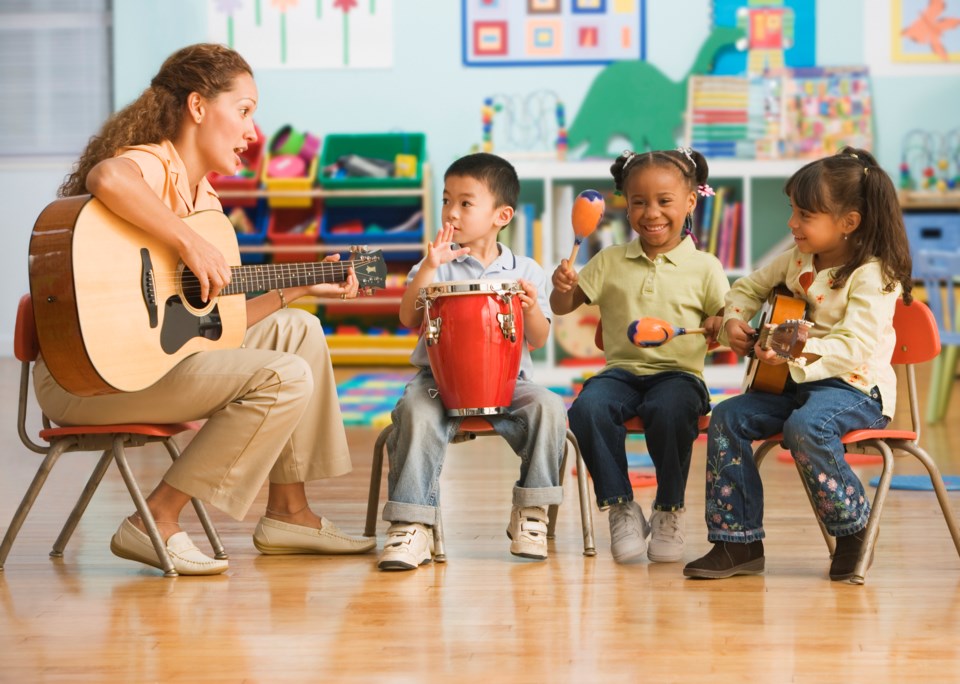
(564, 278)
(441, 251)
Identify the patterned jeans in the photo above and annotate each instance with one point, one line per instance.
(813, 417)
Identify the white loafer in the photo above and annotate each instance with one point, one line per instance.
(132, 544)
(274, 537)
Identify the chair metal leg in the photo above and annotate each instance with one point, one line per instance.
(81, 506)
(586, 509)
(145, 515)
(212, 535)
(938, 486)
(31, 496)
(871, 531)
(376, 477)
(439, 552)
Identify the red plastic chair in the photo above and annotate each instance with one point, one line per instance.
(918, 341)
(471, 428)
(111, 439)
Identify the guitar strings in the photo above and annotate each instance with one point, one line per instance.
(268, 272)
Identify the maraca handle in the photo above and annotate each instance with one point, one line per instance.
(573, 252)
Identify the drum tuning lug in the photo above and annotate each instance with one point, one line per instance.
(508, 326)
(431, 331)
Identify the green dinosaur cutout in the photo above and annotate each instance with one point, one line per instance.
(636, 101)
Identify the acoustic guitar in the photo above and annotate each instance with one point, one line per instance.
(116, 309)
(784, 329)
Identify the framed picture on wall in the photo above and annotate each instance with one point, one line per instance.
(552, 32)
(925, 31)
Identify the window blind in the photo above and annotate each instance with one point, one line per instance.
(54, 75)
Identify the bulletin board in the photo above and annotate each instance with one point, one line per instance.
(305, 34)
(826, 108)
(552, 32)
(778, 34)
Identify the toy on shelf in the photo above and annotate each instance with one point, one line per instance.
(290, 166)
(372, 161)
(533, 125)
(930, 162)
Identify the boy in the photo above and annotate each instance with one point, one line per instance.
(479, 195)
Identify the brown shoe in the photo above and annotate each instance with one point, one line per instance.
(727, 559)
(845, 556)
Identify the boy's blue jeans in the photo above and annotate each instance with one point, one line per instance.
(813, 417)
(670, 404)
(535, 427)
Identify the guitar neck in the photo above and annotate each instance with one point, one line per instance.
(263, 277)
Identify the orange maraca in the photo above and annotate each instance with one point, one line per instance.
(587, 214)
(652, 332)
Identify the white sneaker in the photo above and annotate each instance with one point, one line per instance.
(628, 531)
(408, 546)
(666, 541)
(528, 532)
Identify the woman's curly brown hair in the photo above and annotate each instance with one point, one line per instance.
(155, 116)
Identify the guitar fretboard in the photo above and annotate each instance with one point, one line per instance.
(260, 277)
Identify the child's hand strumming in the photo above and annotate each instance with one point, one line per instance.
(740, 336)
(564, 278)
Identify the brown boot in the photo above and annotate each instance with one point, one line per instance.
(727, 559)
(846, 555)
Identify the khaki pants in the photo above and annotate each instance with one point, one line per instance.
(271, 409)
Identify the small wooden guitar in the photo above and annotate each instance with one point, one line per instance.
(784, 329)
(116, 309)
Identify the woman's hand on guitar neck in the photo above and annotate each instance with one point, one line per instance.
(346, 289)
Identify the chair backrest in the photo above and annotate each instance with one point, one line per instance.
(937, 270)
(918, 338)
(26, 344)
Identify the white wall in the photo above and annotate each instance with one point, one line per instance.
(429, 90)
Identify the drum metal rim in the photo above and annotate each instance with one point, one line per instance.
(485, 411)
(468, 286)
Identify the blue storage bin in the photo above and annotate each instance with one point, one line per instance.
(375, 225)
(258, 217)
(937, 231)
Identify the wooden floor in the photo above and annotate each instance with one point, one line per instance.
(484, 615)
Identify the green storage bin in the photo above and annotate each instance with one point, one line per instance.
(377, 146)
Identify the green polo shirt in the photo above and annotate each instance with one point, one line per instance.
(682, 287)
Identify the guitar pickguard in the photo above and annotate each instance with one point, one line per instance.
(180, 325)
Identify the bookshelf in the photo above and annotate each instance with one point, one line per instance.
(553, 184)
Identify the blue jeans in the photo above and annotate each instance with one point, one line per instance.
(670, 404)
(535, 427)
(813, 417)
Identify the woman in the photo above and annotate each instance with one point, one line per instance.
(271, 406)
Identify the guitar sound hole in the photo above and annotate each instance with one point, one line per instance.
(191, 289)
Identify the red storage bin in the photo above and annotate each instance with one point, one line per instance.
(294, 227)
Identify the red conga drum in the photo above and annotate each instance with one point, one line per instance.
(474, 335)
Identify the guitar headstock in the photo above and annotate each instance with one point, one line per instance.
(370, 268)
(786, 339)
